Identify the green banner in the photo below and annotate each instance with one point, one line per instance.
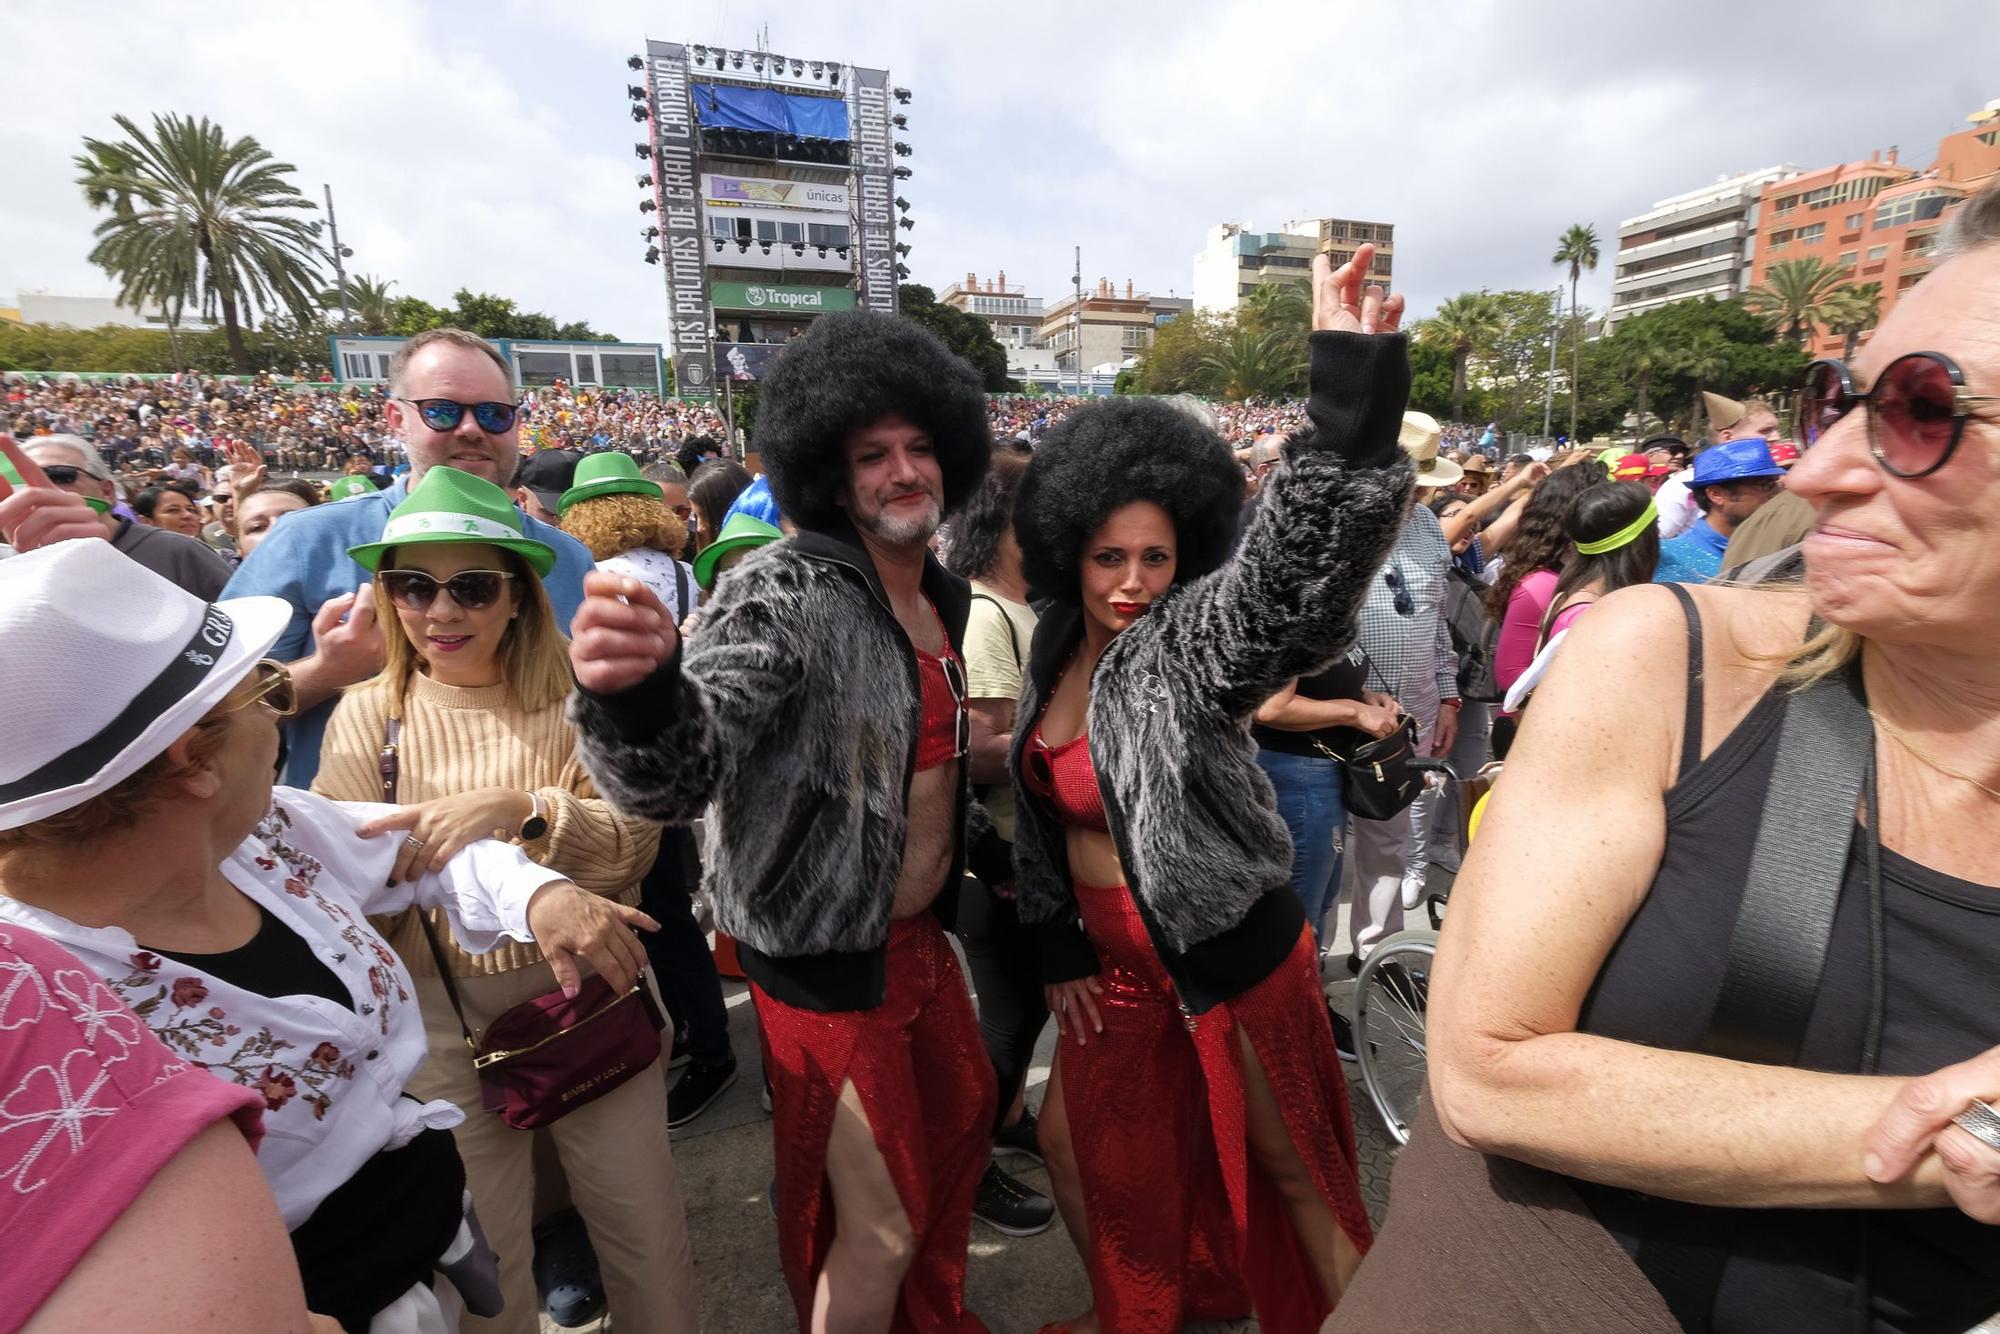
(781, 299)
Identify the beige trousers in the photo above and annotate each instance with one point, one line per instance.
(614, 1152)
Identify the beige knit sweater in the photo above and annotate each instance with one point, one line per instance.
(457, 740)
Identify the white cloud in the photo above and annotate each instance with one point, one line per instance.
(496, 154)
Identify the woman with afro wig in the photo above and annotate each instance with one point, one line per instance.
(1196, 1095)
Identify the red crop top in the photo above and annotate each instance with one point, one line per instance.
(1065, 777)
(945, 732)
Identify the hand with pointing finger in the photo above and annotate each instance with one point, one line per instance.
(35, 512)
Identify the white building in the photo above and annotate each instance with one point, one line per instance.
(95, 312)
(1693, 245)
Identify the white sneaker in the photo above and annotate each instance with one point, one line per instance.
(1413, 890)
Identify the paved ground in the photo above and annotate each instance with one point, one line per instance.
(1016, 1284)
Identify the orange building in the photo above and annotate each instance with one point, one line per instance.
(1878, 220)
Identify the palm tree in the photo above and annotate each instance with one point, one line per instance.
(1794, 295)
(1271, 306)
(368, 301)
(1578, 249)
(1255, 364)
(1703, 360)
(1852, 311)
(1463, 326)
(196, 217)
(1642, 353)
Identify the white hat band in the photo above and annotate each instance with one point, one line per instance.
(439, 521)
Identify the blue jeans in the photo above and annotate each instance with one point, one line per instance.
(1311, 799)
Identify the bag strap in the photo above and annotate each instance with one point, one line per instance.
(680, 591)
(1013, 641)
(390, 765)
(1691, 730)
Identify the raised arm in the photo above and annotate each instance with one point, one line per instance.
(1287, 601)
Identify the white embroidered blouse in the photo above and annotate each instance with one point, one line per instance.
(332, 1078)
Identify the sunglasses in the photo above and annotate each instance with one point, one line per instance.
(1917, 410)
(954, 676)
(472, 590)
(444, 414)
(271, 686)
(1405, 604)
(62, 474)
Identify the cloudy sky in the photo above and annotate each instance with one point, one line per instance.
(488, 145)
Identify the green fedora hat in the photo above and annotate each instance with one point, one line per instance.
(738, 532)
(453, 506)
(611, 473)
(351, 485)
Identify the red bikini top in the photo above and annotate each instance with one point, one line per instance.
(1065, 777)
(945, 732)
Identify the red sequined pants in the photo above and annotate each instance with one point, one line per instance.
(922, 1075)
(1183, 1224)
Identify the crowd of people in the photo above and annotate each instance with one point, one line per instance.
(363, 864)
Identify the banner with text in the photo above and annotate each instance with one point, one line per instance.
(679, 204)
(749, 191)
(874, 173)
(780, 299)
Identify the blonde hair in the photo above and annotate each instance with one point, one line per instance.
(615, 524)
(534, 655)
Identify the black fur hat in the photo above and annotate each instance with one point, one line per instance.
(845, 372)
(1109, 454)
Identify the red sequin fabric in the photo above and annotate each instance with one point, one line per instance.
(937, 730)
(925, 1082)
(1065, 776)
(1183, 1224)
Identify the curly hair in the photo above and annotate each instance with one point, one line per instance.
(1540, 541)
(1107, 455)
(615, 524)
(846, 372)
(974, 548)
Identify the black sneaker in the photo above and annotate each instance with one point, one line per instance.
(678, 1057)
(1343, 1033)
(1020, 1139)
(1005, 1205)
(565, 1269)
(696, 1090)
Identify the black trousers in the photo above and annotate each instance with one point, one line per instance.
(1008, 982)
(678, 952)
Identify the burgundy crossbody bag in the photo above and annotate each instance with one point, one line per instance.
(549, 1055)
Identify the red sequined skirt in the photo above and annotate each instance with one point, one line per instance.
(918, 1065)
(1183, 1224)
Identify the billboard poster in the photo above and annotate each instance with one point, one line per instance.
(875, 181)
(679, 218)
(746, 361)
(748, 191)
(782, 299)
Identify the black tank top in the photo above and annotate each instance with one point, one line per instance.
(1930, 1270)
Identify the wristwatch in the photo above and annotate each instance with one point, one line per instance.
(536, 824)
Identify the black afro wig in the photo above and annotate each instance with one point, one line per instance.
(1109, 454)
(846, 372)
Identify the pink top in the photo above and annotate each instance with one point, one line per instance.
(1522, 626)
(91, 1106)
(1567, 616)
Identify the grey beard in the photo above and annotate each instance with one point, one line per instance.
(906, 532)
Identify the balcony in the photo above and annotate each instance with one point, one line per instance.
(1850, 238)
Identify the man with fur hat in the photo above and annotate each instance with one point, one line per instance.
(821, 709)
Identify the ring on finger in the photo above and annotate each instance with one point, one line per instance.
(414, 842)
(1981, 1121)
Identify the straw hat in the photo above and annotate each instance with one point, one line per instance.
(157, 659)
(1419, 439)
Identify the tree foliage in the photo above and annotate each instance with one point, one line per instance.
(1461, 327)
(198, 219)
(1795, 293)
(961, 331)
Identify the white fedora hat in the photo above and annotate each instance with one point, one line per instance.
(155, 658)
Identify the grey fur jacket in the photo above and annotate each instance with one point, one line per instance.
(1206, 855)
(791, 719)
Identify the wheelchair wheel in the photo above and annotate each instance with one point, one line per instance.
(1391, 996)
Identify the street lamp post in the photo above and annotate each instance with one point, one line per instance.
(1549, 390)
(339, 269)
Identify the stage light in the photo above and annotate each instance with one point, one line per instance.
(798, 69)
(902, 203)
(902, 95)
(902, 149)
(902, 249)
(841, 251)
(902, 173)
(756, 63)
(765, 246)
(638, 111)
(635, 92)
(650, 234)
(798, 248)
(648, 206)
(819, 69)
(906, 224)
(635, 62)
(742, 247)
(822, 252)
(900, 121)
(718, 245)
(736, 59)
(643, 182)
(833, 71)
(652, 254)
(642, 150)
(902, 272)
(701, 53)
